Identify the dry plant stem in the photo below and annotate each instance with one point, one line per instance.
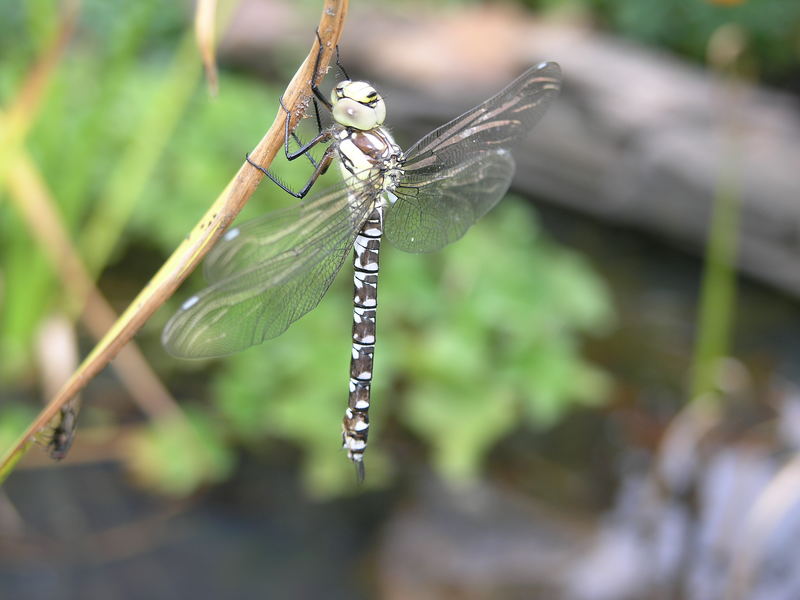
(14, 125)
(35, 203)
(26, 106)
(205, 34)
(201, 239)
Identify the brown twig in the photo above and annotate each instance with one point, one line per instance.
(205, 34)
(14, 125)
(202, 238)
(37, 81)
(34, 202)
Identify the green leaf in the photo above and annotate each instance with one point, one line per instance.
(177, 458)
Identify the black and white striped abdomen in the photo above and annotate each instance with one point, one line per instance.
(355, 426)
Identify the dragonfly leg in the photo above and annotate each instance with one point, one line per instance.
(339, 63)
(314, 88)
(322, 136)
(316, 115)
(294, 136)
(321, 167)
(299, 142)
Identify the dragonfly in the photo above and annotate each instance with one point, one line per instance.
(268, 272)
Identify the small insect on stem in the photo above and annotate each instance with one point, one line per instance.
(60, 439)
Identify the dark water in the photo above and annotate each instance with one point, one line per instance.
(88, 533)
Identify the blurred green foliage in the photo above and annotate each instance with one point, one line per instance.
(474, 341)
(177, 457)
(92, 114)
(14, 417)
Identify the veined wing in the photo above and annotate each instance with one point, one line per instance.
(435, 210)
(269, 272)
(476, 143)
(499, 122)
(303, 225)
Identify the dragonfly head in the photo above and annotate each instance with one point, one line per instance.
(356, 104)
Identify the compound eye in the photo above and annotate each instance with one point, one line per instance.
(337, 93)
(350, 113)
(357, 104)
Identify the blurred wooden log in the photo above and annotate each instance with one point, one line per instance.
(478, 542)
(637, 137)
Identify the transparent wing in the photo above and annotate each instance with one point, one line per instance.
(306, 225)
(269, 272)
(433, 211)
(499, 122)
(473, 151)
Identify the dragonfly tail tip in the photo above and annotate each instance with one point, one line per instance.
(360, 473)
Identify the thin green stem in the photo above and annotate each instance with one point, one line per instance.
(718, 292)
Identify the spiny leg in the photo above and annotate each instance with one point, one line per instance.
(323, 165)
(314, 88)
(339, 63)
(322, 136)
(297, 139)
(317, 94)
(304, 150)
(299, 142)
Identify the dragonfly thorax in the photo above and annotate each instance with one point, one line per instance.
(371, 154)
(358, 105)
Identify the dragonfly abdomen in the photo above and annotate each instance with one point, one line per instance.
(355, 426)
